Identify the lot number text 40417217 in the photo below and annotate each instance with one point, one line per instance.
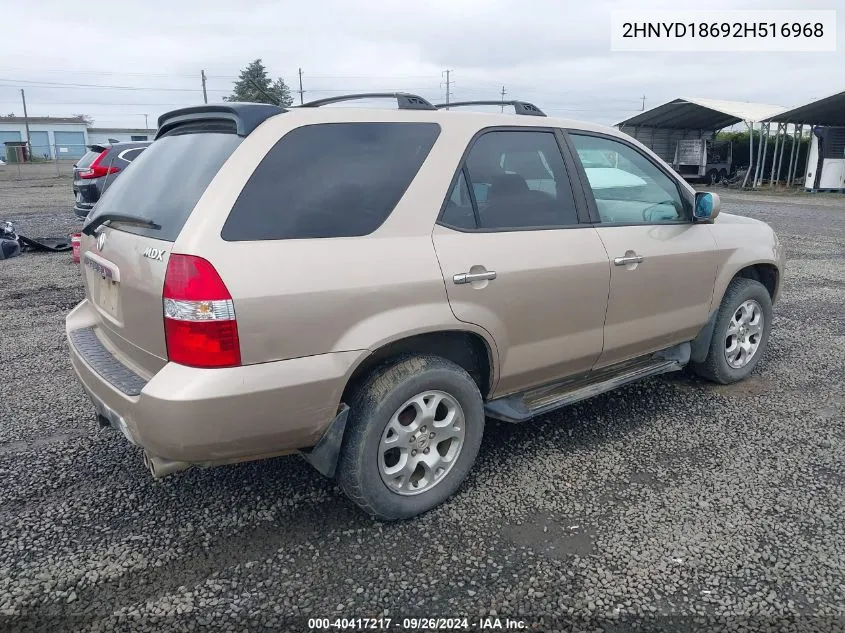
(417, 624)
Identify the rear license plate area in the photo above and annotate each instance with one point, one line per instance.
(104, 286)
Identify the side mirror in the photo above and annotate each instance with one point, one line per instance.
(707, 206)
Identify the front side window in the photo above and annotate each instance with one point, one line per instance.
(330, 180)
(519, 181)
(627, 186)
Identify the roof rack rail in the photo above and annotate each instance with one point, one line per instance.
(404, 100)
(521, 107)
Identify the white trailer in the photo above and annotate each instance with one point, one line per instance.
(703, 159)
(826, 162)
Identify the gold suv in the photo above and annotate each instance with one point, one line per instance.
(363, 286)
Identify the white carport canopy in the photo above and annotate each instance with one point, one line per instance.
(701, 114)
(661, 127)
(829, 111)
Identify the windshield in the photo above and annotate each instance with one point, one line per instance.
(596, 158)
(162, 186)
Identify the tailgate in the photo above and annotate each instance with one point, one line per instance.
(128, 237)
(124, 287)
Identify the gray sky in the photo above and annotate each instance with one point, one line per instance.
(555, 53)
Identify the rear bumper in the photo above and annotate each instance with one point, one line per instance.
(89, 192)
(211, 415)
(82, 211)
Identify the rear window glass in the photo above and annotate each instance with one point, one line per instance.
(128, 155)
(330, 180)
(164, 182)
(87, 159)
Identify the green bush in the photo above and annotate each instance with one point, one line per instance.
(741, 151)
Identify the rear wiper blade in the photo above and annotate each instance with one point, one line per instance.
(89, 228)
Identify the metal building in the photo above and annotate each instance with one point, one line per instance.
(104, 135)
(49, 137)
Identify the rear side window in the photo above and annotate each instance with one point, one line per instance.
(518, 181)
(166, 181)
(330, 180)
(128, 155)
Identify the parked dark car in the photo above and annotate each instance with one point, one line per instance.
(98, 168)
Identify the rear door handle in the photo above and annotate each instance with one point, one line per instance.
(629, 258)
(468, 278)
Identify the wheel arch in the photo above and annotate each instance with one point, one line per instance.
(467, 349)
(766, 273)
(763, 272)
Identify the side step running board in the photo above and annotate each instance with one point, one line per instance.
(524, 406)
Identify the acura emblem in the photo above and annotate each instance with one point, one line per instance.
(101, 241)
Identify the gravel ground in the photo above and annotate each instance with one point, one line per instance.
(667, 505)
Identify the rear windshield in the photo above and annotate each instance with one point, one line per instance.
(330, 180)
(164, 183)
(87, 159)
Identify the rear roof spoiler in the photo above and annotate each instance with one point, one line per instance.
(96, 147)
(242, 117)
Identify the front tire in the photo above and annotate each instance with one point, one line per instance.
(741, 333)
(414, 432)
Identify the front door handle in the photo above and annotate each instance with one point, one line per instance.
(468, 278)
(630, 258)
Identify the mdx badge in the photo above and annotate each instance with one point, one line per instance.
(154, 253)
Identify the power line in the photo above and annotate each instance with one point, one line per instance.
(191, 75)
(99, 72)
(104, 103)
(11, 83)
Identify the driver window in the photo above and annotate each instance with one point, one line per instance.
(627, 186)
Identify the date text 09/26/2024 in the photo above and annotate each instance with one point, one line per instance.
(417, 624)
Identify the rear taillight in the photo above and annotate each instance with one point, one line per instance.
(199, 315)
(96, 169)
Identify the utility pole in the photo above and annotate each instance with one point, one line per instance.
(643, 109)
(503, 98)
(26, 123)
(448, 87)
(146, 125)
(301, 91)
(204, 92)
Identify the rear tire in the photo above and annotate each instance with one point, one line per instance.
(741, 333)
(413, 434)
